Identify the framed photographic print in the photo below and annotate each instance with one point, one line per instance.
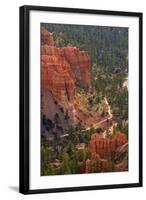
(80, 99)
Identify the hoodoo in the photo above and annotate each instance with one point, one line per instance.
(62, 69)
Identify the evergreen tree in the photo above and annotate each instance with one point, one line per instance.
(65, 168)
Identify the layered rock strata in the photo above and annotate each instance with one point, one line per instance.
(102, 149)
(62, 70)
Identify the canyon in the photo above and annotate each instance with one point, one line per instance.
(66, 84)
(62, 71)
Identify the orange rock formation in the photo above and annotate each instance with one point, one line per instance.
(62, 69)
(68, 65)
(47, 38)
(104, 148)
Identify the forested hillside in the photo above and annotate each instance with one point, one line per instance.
(108, 50)
(107, 46)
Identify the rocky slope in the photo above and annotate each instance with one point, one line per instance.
(105, 147)
(65, 85)
(102, 149)
(62, 71)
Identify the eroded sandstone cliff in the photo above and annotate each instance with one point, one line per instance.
(62, 70)
(102, 149)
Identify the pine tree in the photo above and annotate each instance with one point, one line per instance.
(65, 168)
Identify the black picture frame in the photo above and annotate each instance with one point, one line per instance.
(25, 105)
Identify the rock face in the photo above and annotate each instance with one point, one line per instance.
(57, 77)
(46, 38)
(62, 69)
(80, 65)
(102, 149)
(105, 147)
(68, 59)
